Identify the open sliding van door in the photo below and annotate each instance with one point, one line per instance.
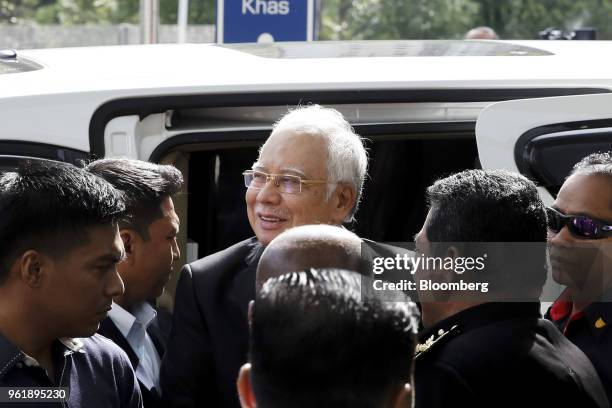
(543, 138)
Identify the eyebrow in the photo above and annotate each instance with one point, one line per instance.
(283, 170)
(116, 257)
(293, 170)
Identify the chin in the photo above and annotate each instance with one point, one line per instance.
(266, 237)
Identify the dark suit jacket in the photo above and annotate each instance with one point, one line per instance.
(502, 355)
(150, 398)
(209, 337)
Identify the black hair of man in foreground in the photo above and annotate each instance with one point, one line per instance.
(316, 341)
(59, 250)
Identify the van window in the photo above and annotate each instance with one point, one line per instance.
(548, 154)
(393, 208)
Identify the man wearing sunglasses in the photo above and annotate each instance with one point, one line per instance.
(580, 242)
(310, 171)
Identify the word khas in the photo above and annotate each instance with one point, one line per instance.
(266, 7)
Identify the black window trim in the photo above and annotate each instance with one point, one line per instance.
(37, 150)
(144, 106)
(521, 147)
(457, 128)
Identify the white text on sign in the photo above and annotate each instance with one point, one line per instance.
(272, 7)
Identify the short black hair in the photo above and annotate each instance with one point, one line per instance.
(491, 206)
(144, 185)
(599, 163)
(486, 206)
(48, 206)
(315, 343)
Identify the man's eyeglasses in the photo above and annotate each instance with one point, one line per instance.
(580, 226)
(286, 183)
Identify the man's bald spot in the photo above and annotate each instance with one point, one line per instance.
(309, 246)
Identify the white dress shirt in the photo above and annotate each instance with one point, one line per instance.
(134, 329)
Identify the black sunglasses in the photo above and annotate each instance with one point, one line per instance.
(580, 226)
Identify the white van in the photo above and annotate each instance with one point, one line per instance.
(428, 108)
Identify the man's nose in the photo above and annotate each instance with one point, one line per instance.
(269, 193)
(176, 252)
(114, 285)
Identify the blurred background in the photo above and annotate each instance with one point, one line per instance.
(64, 23)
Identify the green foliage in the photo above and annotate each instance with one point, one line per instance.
(200, 11)
(435, 19)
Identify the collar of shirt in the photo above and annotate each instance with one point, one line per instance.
(481, 315)
(597, 314)
(144, 314)
(255, 252)
(10, 354)
(133, 327)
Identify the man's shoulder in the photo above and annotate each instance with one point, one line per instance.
(103, 350)
(498, 345)
(229, 257)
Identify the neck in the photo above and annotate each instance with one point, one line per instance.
(581, 297)
(27, 331)
(125, 302)
(434, 312)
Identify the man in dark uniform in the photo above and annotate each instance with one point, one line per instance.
(310, 171)
(478, 353)
(580, 238)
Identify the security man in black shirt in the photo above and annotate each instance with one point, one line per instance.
(476, 351)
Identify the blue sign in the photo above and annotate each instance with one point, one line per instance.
(264, 20)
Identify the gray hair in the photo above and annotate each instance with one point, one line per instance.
(347, 159)
(599, 163)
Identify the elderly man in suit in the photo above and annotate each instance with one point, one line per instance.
(149, 233)
(310, 171)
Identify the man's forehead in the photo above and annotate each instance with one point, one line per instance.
(288, 140)
(586, 194)
(100, 241)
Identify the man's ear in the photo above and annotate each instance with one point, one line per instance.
(130, 240)
(345, 201)
(452, 252)
(245, 388)
(403, 398)
(31, 265)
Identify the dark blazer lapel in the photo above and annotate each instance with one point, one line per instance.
(157, 338)
(109, 330)
(243, 283)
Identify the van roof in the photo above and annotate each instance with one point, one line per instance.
(203, 68)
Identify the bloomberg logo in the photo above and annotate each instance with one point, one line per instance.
(269, 7)
(265, 20)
